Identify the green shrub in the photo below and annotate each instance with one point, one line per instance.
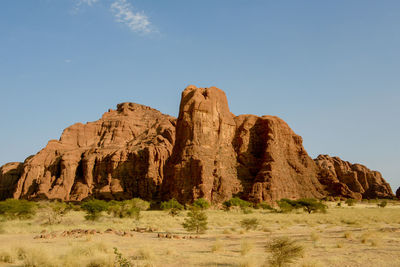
(171, 204)
(236, 202)
(201, 203)
(249, 224)
(124, 209)
(120, 260)
(350, 202)
(287, 205)
(311, 205)
(55, 211)
(382, 204)
(284, 251)
(94, 208)
(140, 204)
(17, 209)
(196, 221)
(264, 206)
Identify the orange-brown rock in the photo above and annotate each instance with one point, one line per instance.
(122, 155)
(272, 162)
(9, 176)
(203, 162)
(136, 151)
(352, 180)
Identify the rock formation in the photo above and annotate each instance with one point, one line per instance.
(136, 151)
(398, 193)
(203, 162)
(122, 155)
(351, 180)
(9, 175)
(272, 163)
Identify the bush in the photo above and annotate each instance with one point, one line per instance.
(382, 204)
(201, 203)
(350, 202)
(287, 205)
(284, 251)
(140, 204)
(120, 260)
(171, 204)
(127, 208)
(56, 210)
(311, 205)
(196, 221)
(94, 208)
(249, 224)
(17, 209)
(236, 202)
(264, 206)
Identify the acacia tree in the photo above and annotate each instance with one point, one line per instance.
(196, 221)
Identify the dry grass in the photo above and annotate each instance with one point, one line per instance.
(362, 235)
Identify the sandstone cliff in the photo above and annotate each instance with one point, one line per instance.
(136, 151)
(203, 163)
(122, 155)
(351, 180)
(272, 162)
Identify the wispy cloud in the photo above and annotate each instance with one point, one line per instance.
(67, 60)
(87, 2)
(136, 21)
(79, 3)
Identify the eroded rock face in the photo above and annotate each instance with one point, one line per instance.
(203, 163)
(272, 163)
(9, 175)
(120, 156)
(352, 180)
(398, 193)
(136, 151)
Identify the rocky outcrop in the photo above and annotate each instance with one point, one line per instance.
(120, 156)
(203, 162)
(398, 193)
(218, 155)
(272, 162)
(351, 180)
(208, 152)
(9, 176)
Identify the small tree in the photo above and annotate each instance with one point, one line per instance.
(124, 209)
(237, 202)
(56, 210)
(201, 203)
(249, 224)
(140, 204)
(287, 205)
(196, 221)
(283, 251)
(350, 202)
(312, 205)
(171, 204)
(94, 208)
(382, 204)
(17, 209)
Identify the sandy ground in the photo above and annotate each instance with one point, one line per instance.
(364, 235)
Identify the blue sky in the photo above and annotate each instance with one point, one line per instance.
(328, 68)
